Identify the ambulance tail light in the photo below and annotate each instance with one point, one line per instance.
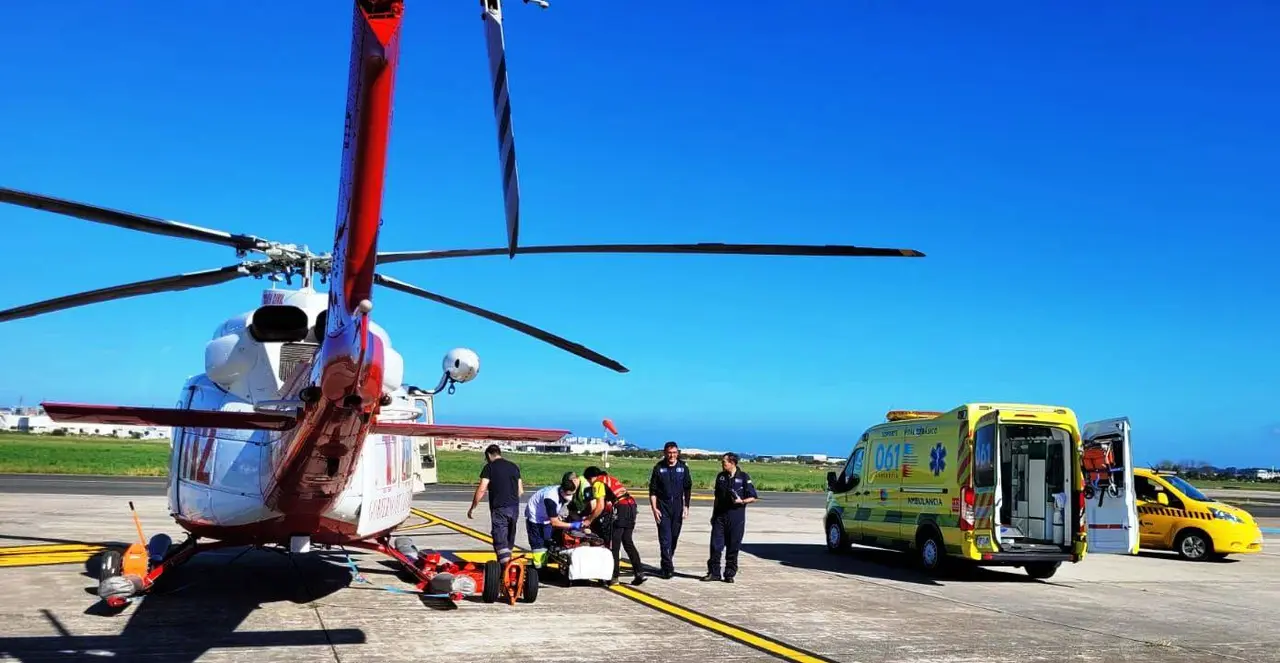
(1081, 527)
(967, 499)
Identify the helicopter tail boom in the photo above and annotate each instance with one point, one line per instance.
(320, 454)
(375, 47)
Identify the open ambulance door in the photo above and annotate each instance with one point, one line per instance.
(1111, 509)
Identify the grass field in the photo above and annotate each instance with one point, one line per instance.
(41, 454)
(31, 454)
(541, 470)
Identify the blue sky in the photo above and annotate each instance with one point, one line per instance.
(1093, 183)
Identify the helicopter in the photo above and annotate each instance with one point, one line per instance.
(299, 431)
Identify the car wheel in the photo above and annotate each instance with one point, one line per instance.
(1042, 570)
(929, 551)
(1193, 545)
(836, 538)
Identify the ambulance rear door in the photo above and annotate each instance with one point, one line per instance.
(1111, 508)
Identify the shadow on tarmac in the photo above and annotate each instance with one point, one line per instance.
(197, 607)
(876, 563)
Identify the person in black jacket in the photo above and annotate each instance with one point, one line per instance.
(734, 491)
(670, 489)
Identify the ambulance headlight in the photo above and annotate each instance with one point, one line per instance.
(1219, 514)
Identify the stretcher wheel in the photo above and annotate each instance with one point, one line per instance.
(492, 581)
(1088, 491)
(531, 584)
(111, 564)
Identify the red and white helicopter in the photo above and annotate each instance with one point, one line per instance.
(299, 430)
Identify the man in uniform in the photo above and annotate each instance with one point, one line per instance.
(734, 491)
(670, 489)
(501, 478)
(612, 504)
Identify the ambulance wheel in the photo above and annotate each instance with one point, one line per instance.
(492, 581)
(837, 540)
(1042, 570)
(530, 584)
(930, 551)
(110, 564)
(1193, 545)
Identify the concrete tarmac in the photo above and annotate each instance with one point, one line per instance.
(1260, 503)
(792, 601)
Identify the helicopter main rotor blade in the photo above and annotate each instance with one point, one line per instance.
(712, 248)
(163, 284)
(542, 335)
(129, 220)
(495, 41)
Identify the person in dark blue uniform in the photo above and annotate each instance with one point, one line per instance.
(734, 491)
(670, 489)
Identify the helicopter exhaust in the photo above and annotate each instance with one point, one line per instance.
(275, 323)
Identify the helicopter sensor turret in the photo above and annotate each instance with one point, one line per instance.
(461, 364)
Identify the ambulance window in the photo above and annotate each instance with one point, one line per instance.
(984, 465)
(854, 468)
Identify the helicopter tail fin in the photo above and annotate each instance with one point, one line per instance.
(375, 47)
(163, 416)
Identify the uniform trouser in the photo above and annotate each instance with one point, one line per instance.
(503, 529)
(726, 535)
(539, 534)
(624, 524)
(672, 518)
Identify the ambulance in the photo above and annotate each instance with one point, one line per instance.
(996, 484)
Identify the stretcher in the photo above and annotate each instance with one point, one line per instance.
(580, 555)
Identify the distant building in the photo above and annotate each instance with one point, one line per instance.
(33, 420)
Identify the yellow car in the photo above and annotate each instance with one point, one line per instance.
(1174, 515)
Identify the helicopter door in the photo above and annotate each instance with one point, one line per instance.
(1111, 510)
(425, 471)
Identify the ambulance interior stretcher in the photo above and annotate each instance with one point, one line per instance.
(1032, 512)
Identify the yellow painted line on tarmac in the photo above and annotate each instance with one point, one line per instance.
(42, 555)
(739, 634)
(48, 547)
(457, 527)
(745, 636)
